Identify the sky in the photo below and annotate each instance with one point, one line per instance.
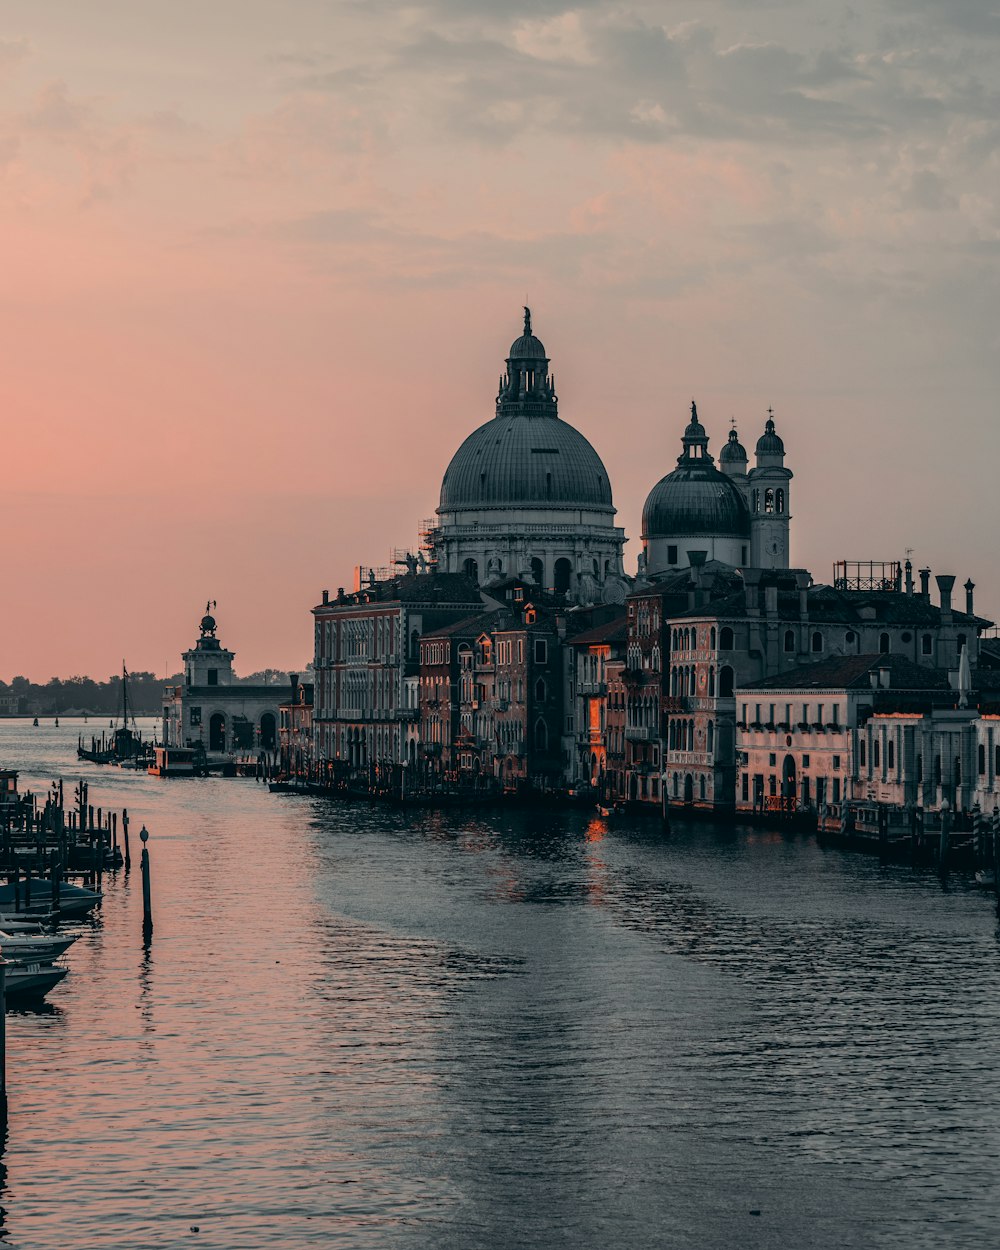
(262, 261)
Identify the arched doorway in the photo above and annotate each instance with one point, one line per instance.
(268, 735)
(688, 789)
(537, 570)
(217, 732)
(561, 574)
(471, 569)
(788, 787)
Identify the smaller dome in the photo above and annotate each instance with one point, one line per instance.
(733, 450)
(207, 624)
(769, 444)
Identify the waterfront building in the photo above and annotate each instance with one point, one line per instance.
(366, 643)
(213, 709)
(598, 657)
(526, 495)
(797, 733)
(295, 728)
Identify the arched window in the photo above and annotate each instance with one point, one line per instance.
(769, 500)
(415, 644)
(562, 571)
(537, 570)
(471, 569)
(789, 640)
(982, 759)
(817, 641)
(701, 785)
(725, 639)
(876, 752)
(961, 642)
(755, 500)
(710, 742)
(712, 638)
(926, 644)
(780, 499)
(883, 644)
(672, 734)
(711, 683)
(725, 682)
(541, 690)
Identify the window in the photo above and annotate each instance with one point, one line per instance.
(789, 640)
(712, 638)
(726, 639)
(541, 690)
(772, 759)
(743, 555)
(862, 750)
(725, 682)
(755, 501)
(196, 717)
(982, 759)
(769, 500)
(926, 644)
(836, 789)
(780, 499)
(883, 644)
(876, 752)
(819, 714)
(836, 763)
(817, 641)
(805, 761)
(890, 753)
(213, 676)
(746, 787)
(671, 555)
(849, 637)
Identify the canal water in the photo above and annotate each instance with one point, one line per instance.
(360, 1027)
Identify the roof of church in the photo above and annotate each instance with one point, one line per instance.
(526, 455)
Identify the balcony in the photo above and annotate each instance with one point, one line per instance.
(593, 687)
(640, 733)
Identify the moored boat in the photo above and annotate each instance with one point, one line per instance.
(29, 982)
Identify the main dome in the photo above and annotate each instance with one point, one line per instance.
(526, 456)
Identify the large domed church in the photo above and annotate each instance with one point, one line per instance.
(527, 495)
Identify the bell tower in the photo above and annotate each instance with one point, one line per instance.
(768, 485)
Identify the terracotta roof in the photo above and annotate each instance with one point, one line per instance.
(615, 630)
(845, 672)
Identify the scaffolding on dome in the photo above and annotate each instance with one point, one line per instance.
(868, 575)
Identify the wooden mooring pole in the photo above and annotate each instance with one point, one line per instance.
(147, 907)
(944, 837)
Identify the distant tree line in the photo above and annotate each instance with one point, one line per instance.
(63, 696)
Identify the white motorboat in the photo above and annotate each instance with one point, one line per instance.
(33, 948)
(28, 982)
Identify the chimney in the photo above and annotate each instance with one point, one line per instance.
(908, 567)
(802, 583)
(771, 600)
(294, 680)
(326, 596)
(751, 586)
(945, 582)
(340, 594)
(697, 561)
(925, 585)
(970, 586)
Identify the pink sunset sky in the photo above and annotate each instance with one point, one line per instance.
(262, 262)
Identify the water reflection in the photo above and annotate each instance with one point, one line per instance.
(366, 1028)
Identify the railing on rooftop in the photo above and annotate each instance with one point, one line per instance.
(868, 575)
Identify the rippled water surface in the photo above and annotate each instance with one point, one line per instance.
(365, 1028)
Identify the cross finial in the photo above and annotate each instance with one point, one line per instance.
(527, 319)
(732, 423)
(770, 412)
